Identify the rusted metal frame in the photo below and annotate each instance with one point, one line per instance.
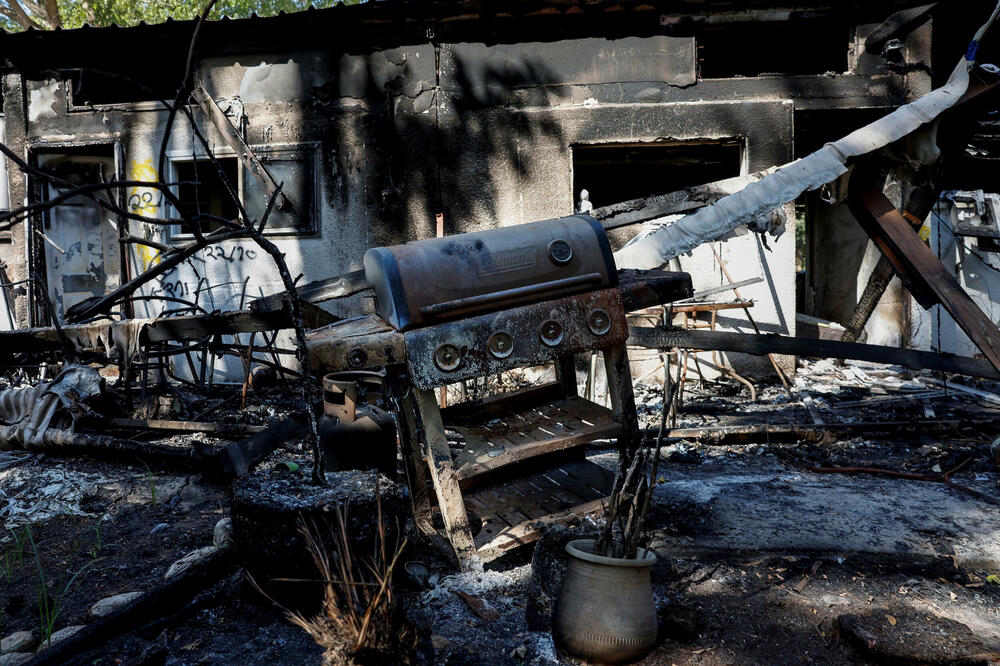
(622, 399)
(746, 309)
(923, 273)
(277, 367)
(269, 342)
(565, 368)
(236, 142)
(514, 296)
(718, 364)
(340, 286)
(442, 471)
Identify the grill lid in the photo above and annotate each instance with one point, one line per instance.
(438, 279)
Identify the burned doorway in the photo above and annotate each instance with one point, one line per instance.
(834, 255)
(76, 242)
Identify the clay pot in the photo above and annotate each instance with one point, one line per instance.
(605, 611)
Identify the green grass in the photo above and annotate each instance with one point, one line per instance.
(49, 606)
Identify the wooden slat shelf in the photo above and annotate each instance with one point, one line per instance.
(515, 512)
(528, 433)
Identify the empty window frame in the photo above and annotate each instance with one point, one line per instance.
(612, 173)
(792, 47)
(201, 188)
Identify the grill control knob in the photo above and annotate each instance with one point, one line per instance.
(551, 332)
(447, 357)
(560, 252)
(357, 357)
(501, 345)
(599, 322)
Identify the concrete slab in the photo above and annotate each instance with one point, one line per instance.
(763, 506)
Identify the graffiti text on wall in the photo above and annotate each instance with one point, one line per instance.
(144, 201)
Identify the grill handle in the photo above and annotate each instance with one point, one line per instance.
(480, 301)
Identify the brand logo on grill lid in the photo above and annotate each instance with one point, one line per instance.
(505, 261)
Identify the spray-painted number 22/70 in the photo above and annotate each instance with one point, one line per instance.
(144, 201)
(236, 253)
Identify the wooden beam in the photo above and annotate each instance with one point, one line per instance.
(658, 338)
(923, 273)
(619, 377)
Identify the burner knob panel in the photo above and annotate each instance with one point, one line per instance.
(551, 332)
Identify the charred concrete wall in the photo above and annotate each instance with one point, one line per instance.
(483, 133)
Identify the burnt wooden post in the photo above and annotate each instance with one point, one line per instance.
(442, 469)
(622, 398)
(416, 475)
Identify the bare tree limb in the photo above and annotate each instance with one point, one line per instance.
(17, 14)
(52, 12)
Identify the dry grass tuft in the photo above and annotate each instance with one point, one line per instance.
(360, 611)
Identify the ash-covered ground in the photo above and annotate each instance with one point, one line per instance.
(766, 553)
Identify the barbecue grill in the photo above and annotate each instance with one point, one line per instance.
(468, 306)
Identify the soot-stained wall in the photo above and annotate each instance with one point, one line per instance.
(481, 133)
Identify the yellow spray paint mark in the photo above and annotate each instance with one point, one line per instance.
(145, 201)
(925, 230)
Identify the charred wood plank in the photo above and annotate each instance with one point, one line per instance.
(636, 211)
(67, 442)
(794, 432)
(658, 338)
(240, 429)
(445, 479)
(240, 457)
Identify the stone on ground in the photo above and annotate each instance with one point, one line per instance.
(222, 535)
(15, 658)
(188, 561)
(910, 637)
(62, 634)
(19, 641)
(108, 605)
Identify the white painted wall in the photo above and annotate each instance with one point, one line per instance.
(978, 272)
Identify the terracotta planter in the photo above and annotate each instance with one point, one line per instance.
(605, 611)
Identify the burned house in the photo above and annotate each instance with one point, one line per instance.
(391, 121)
